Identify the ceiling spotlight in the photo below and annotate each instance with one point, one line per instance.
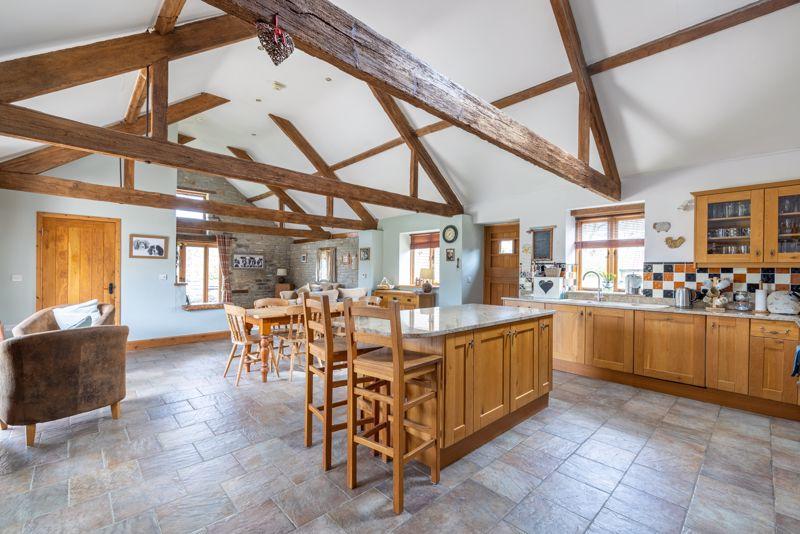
(253, 134)
(278, 86)
(328, 79)
(258, 100)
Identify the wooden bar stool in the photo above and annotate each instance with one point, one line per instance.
(241, 338)
(293, 337)
(330, 353)
(397, 368)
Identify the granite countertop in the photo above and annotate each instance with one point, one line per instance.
(443, 320)
(643, 304)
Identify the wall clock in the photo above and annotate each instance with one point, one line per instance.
(450, 233)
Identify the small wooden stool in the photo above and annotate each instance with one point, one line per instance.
(331, 353)
(392, 366)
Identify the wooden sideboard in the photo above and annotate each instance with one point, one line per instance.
(409, 300)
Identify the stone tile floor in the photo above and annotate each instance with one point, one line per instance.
(192, 453)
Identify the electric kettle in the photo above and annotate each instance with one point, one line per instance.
(684, 297)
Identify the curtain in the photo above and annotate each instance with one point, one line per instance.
(225, 249)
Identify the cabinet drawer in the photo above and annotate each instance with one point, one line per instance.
(774, 329)
(408, 300)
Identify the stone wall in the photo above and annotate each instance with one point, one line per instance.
(247, 285)
(301, 273)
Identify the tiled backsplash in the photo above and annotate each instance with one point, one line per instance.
(662, 279)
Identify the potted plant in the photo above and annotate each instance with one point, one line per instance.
(608, 281)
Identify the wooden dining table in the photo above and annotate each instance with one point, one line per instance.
(265, 318)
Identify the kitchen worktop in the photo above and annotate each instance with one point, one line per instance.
(642, 305)
(444, 320)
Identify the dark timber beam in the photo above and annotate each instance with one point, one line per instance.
(37, 126)
(681, 37)
(168, 16)
(44, 73)
(283, 197)
(302, 144)
(47, 158)
(419, 151)
(48, 185)
(218, 226)
(572, 45)
(327, 32)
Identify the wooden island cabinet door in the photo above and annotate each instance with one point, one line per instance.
(727, 354)
(771, 363)
(568, 332)
(524, 363)
(458, 368)
(670, 346)
(545, 355)
(491, 375)
(609, 338)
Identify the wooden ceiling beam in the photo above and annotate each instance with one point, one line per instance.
(329, 33)
(584, 128)
(184, 224)
(681, 37)
(183, 138)
(262, 196)
(159, 95)
(33, 125)
(283, 197)
(138, 96)
(420, 153)
(47, 158)
(413, 175)
(48, 185)
(302, 144)
(168, 16)
(572, 45)
(44, 73)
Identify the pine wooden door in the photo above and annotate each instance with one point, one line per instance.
(609, 338)
(77, 260)
(524, 362)
(727, 353)
(500, 262)
(491, 376)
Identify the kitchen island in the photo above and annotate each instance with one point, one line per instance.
(497, 368)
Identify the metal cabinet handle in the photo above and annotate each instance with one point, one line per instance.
(713, 325)
(772, 252)
(758, 253)
(581, 313)
(544, 326)
(589, 313)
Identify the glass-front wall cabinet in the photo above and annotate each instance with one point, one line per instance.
(782, 224)
(729, 227)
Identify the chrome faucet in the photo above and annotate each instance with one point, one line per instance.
(599, 284)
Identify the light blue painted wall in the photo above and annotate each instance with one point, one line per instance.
(453, 288)
(151, 307)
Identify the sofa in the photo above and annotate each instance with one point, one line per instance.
(48, 374)
(334, 292)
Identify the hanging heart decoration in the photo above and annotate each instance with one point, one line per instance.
(275, 41)
(546, 285)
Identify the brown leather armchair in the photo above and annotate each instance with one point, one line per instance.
(49, 375)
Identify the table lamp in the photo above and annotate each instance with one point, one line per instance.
(281, 273)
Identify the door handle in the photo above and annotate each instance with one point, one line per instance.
(111, 288)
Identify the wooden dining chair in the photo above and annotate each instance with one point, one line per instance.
(330, 355)
(393, 366)
(293, 337)
(240, 337)
(270, 302)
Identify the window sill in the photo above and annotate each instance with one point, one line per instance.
(201, 307)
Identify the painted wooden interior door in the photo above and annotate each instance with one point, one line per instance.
(501, 262)
(78, 260)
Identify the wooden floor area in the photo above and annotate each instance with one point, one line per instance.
(193, 453)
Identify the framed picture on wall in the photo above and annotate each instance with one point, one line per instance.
(542, 243)
(248, 261)
(153, 247)
(450, 254)
(363, 254)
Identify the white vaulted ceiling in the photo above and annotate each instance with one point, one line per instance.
(729, 95)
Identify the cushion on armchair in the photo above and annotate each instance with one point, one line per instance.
(77, 315)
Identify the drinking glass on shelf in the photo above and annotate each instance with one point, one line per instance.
(730, 209)
(744, 209)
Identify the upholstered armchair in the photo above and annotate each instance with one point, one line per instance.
(51, 374)
(44, 320)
